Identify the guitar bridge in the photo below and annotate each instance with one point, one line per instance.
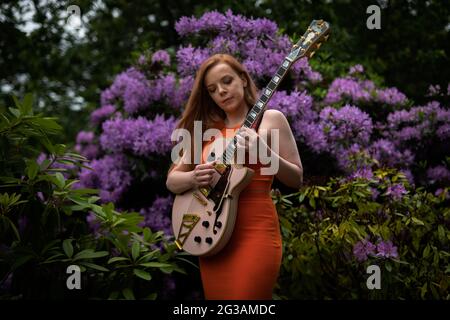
(188, 223)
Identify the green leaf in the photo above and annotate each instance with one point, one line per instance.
(426, 251)
(417, 221)
(115, 259)
(90, 254)
(13, 227)
(128, 294)
(32, 169)
(135, 249)
(155, 264)
(15, 112)
(312, 202)
(68, 248)
(21, 261)
(27, 104)
(142, 274)
(152, 296)
(94, 266)
(46, 124)
(441, 233)
(301, 198)
(60, 181)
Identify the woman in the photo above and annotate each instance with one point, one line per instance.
(247, 267)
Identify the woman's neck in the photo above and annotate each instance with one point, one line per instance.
(235, 118)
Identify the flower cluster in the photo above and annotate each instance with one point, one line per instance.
(157, 217)
(256, 41)
(363, 249)
(110, 174)
(140, 136)
(337, 130)
(418, 123)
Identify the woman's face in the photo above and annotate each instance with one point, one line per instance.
(225, 87)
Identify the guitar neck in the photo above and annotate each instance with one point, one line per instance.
(256, 112)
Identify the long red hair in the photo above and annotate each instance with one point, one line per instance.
(201, 107)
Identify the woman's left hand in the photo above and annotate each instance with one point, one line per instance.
(248, 139)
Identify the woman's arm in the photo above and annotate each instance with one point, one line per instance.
(182, 178)
(290, 171)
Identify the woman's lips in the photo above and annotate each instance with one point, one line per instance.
(227, 100)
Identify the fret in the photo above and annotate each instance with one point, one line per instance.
(260, 104)
(257, 109)
(276, 79)
(248, 123)
(272, 85)
(264, 98)
(286, 64)
(281, 71)
(267, 92)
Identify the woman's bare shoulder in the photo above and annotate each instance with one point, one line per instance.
(273, 119)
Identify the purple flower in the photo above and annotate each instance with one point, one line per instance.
(362, 173)
(438, 173)
(189, 60)
(162, 57)
(391, 96)
(110, 174)
(418, 123)
(101, 114)
(363, 249)
(157, 217)
(433, 90)
(386, 250)
(396, 191)
(131, 88)
(141, 136)
(295, 105)
(94, 224)
(349, 88)
(386, 152)
(85, 137)
(357, 68)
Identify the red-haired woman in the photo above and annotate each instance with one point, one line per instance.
(248, 266)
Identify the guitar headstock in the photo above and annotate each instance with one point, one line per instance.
(317, 33)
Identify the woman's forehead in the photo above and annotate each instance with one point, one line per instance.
(218, 71)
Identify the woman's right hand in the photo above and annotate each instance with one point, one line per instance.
(203, 174)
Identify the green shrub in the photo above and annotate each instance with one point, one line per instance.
(332, 233)
(43, 225)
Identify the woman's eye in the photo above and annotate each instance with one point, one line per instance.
(227, 80)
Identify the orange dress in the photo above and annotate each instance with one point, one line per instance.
(247, 267)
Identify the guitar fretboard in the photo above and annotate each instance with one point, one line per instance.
(258, 108)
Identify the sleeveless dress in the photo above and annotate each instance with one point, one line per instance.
(248, 266)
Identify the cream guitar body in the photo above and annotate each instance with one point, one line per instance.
(203, 226)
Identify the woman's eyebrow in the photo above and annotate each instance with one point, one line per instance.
(211, 84)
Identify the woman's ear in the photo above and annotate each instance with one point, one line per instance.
(244, 80)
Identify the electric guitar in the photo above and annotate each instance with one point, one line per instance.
(203, 219)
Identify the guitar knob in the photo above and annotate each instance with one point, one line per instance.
(198, 239)
(219, 224)
(205, 224)
(208, 240)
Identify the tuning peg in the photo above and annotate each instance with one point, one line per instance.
(311, 54)
(318, 45)
(326, 37)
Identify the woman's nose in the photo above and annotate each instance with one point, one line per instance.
(221, 89)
